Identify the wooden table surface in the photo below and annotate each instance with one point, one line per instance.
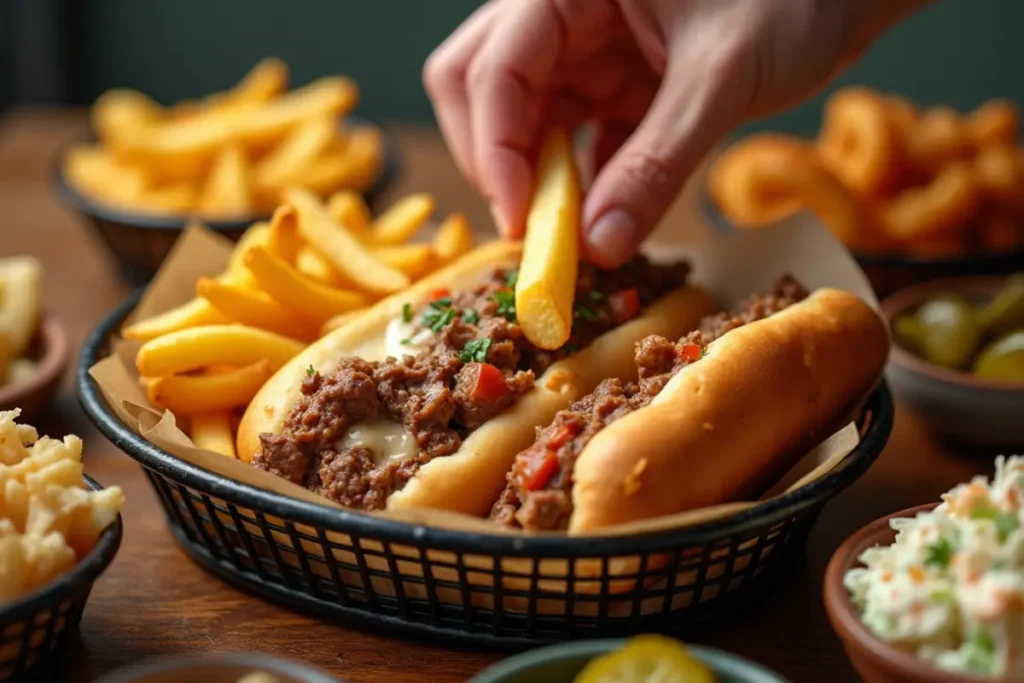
(155, 601)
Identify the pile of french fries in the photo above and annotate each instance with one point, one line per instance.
(230, 155)
(20, 312)
(314, 266)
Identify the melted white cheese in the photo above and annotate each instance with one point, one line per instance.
(396, 332)
(386, 440)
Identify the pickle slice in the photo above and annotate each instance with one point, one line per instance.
(646, 659)
(949, 333)
(1002, 359)
(1005, 312)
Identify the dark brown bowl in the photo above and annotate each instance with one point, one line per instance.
(50, 351)
(955, 405)
(874, 659)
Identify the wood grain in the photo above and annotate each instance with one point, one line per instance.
(155, 601)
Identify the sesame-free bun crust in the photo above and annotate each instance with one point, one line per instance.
(470, 479)
(729, 424)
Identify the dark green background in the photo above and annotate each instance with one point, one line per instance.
(960, 51)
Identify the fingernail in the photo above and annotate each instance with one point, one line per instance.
(499, 221)
(612, 236)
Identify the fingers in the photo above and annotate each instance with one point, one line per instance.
(641, 180)
(444, 78)
(507, 82)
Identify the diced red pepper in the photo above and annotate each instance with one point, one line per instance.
(690, 352)
(440, 294)
(562, 436)
(625, 304)
(490, 383)
(542, 471)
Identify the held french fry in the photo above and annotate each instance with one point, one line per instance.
(415, 260)
(283, 239)
(547, 275)
(227, 191)
(303, 145)
(403, 219)
(198, 347)
(345, 252)
(294, 289)
(350, 209)
(209, 393)
(454, 238)
(20, 306)
(254, 309)
(195, 313)
(212, 432)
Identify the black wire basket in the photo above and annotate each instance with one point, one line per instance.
(469, 588)
(140, 243)
(39, 632)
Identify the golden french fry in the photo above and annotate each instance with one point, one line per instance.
(227, 191)
(96, 173)
(266, 80)
(355, 167)
(21, 305)
(403, 219)
(120, 110)
(339, 320)
(297, 150)
(197, 138)
(314, 266)
(294, 289)
(283, 239)
(197, 347)
(195, 313)
(415, 260)
(169, 199)
(350, 209)
(454, 238)
(345, 252)
(547, 274)
(255, 309)
(209, 393)
(212, 432)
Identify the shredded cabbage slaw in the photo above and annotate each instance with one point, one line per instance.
(951, 587)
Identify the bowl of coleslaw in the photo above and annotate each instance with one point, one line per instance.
(936, 592)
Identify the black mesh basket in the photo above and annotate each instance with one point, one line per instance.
(471, 588)
(140, 243)
(38, 632)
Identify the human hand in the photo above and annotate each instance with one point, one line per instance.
(662, 80)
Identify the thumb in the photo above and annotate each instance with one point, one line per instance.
(642, 179)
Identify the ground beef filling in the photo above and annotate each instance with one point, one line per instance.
(539, 491)
(472, 362)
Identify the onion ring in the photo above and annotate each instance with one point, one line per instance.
(997, 122)
(949, 201)
(858, 141)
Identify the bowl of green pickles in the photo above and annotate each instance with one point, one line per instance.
(958, 357)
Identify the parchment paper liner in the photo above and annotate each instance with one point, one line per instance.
(731, 268)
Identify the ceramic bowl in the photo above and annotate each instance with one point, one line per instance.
(216, 669)
(874, 659)
(561, 663)
(956, 406)
(50, 350)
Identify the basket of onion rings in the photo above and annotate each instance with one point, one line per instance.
(915, 192)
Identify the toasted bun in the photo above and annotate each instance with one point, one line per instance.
(470, 479)
(731, 423)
